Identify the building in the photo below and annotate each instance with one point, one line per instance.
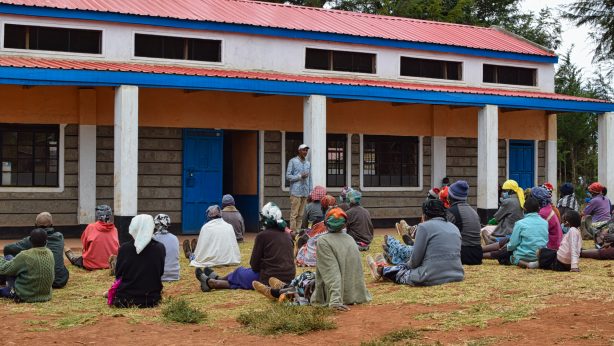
(161, 106)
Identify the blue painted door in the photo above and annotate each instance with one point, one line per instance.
(522, 163)
(202, 176)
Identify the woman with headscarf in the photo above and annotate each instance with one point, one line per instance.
(597, 212)
(568, 199)
(307, 243)
(140, 266)
(217, 244)
(550, 188)
(359, 225)
(436, 255)
(313, 210)
(231, 215)
(510, 211)
(171, 245)
(271, 257)
(555, 233)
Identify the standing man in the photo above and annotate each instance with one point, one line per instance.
(299, 176)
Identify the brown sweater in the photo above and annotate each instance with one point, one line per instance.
(359, 224)
(272, 256)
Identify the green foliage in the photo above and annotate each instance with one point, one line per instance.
(279, 319)
(179, 310)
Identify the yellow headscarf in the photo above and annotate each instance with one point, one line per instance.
(513, 185)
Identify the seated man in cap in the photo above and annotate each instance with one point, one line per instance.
(217, 244)
(313, 210)
(359, 224)
(29, 276)
(55, 243)
(463, 216)
(99, 242)
(436, 255)
(231, 215)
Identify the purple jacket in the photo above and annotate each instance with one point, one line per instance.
(599, 208)
(555, 233)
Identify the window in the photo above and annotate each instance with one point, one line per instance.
(334, 60)
(180, 48)
(390, 161)
(509, 75)
(336, 162)
(52, 39)
(427, 68)
(29, 155)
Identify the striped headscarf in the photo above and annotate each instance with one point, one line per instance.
(335, 219)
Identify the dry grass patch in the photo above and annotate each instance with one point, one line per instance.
(287, 319)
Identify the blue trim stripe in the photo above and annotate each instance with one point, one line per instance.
(34, 76)
(266, 31)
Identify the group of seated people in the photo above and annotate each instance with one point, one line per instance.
(525, 231)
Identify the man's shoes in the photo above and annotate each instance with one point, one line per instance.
(210, 273)
(263, 289)
(373, 268)
(70, 255)
(275, 283)
(398, 228)
(186, 249)
(204, 280)
(380, 260)
(193, 245)
(407, 240)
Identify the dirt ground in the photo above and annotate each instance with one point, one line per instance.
(585, 322)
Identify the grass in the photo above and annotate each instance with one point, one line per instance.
(489, 294)
(395, 337)
(179, 310)
(290, 319)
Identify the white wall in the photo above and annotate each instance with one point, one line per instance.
(251, 52)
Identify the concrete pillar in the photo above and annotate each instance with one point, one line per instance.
(438, 160)
(314, 135)
(488, 156)
(126, 141)
(552, 155)
(605, 141)
(87, 156)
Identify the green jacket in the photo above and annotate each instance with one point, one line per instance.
(55, 243)
(33, 271)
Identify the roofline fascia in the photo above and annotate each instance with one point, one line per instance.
(37, 76)
(265, 31)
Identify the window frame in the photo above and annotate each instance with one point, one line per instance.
(213, 37)
(103, 45)
(515, 86)
(348, 162)
(341, 49)
(61, 162)
(432, 79)
(394, 188)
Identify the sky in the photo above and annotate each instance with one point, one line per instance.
(577, 36)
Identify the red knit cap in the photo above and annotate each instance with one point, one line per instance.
(595, 188)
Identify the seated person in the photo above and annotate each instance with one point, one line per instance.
(171, 246)
(436, 255)
(555, 233)
(217, 244)
(568, 199)
(549, 187)
(29, 276)
(395, 252)
(567, 257)
(313, 209)
(339, 279)
(55, 243)
(529, 235)
(510, 211)
(140, 266)
(231, 215)
(272, 255)
(99, 242)
(597, 212)
(307, 242)
(466, 219)
(359, 224)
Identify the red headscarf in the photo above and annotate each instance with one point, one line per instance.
(595, 188)
(443, 196)
(328, 201)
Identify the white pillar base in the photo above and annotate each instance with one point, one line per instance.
(488, 157)
(87, 174)
(314, 135)
(605, 142)
(438, 160)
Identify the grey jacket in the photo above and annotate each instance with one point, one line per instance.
(509, 212)
(313, 213)
(436, 257)
(463, 216)
(232, 216)
(359, 224)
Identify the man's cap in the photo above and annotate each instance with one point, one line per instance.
(303, 146)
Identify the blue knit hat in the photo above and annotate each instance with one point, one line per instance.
(459, 190)
(567, 189)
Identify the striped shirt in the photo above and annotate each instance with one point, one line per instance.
(569, 202)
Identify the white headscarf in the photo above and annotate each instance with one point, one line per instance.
(141, 229)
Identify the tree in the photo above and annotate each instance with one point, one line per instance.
(599, 15)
